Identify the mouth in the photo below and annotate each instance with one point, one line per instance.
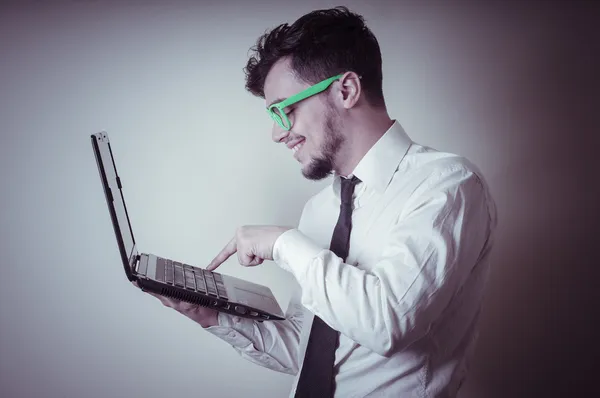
(297, 146)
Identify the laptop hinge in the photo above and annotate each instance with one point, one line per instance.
(136, 263)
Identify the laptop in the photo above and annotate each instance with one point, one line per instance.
(171, 278)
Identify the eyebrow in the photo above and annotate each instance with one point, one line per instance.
(276, 101)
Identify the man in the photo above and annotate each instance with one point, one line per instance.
(391, 259)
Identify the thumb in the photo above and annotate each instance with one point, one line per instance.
(256, 261)
(249, 259)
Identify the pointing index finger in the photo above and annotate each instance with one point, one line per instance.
(227, 252)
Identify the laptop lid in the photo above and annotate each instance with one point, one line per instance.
(116, 202)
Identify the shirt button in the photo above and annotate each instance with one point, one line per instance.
(231, 334)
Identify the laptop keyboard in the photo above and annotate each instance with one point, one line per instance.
(191, 278)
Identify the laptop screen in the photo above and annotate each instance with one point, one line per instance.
(123, 227)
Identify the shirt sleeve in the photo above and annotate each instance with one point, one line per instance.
(430, 250)
(271, 344)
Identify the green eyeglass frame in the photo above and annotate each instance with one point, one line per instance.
(276, 110)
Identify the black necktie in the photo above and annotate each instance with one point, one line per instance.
(316, 378)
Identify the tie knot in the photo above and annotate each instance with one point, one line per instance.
(347, 189)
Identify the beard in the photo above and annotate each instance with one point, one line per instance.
(321, 166)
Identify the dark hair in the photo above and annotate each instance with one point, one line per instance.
(321, 44)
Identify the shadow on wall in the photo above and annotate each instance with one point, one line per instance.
(537, 338)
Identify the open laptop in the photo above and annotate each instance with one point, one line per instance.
(171, 278)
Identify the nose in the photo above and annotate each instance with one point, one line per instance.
(278, 134)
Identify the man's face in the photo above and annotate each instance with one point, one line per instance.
(316, 134)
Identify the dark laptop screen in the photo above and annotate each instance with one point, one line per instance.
(118, 202)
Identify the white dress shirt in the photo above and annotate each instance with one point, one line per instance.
(407, 300)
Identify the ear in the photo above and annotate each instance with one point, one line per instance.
(350, 89)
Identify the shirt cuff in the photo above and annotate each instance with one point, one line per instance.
(233, 329)
(293, 251)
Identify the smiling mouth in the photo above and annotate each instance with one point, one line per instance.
(297, 147)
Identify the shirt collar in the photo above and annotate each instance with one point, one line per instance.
(379, 164)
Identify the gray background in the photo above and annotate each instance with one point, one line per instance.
(508, 87)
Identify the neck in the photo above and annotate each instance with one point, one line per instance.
(361, 131)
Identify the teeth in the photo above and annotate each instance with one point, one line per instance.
(297, 147)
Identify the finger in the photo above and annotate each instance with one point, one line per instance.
(185, 307)
(166, 301)
(256, 261)
(249, 259)
(243, 258)
(227, 252)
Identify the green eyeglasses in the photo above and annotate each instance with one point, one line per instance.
(276, 110)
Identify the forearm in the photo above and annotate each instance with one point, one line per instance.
(271, 344)
(351, 301)
(396, 300)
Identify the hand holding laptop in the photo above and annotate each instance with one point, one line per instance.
(253, 245)
(205, 316)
